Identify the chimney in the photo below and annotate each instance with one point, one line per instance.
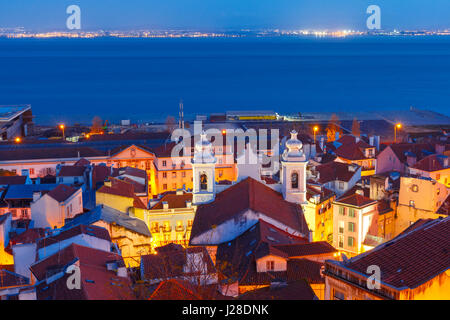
(179, 192)
(188, 204)
(152, 202)
(36, 195)
(411, 159)
(108, 183)
(440, 148)
(165, 205)
(337, 135)
(360, 192)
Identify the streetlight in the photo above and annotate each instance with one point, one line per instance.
(315, 129)
(62, 127)
(397, 126)
(18, 139)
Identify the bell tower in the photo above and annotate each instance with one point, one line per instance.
(293, 167)
(203, 167)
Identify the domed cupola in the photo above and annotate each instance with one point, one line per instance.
(294, 148)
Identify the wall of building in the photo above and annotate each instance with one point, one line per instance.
(280, 264)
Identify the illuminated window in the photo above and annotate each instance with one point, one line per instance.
(411, 203)
(164, 175)
(174, 174)
(164, 163)
(415, 188)
(351, 212)
(351, 241)
(270, 265)
(164, 186)
(341, 226)
(351, 226)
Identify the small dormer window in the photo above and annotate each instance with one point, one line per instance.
(270, 265)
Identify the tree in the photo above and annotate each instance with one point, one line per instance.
(333, 127)
(96, 125)
(356, 131)
(171, 124)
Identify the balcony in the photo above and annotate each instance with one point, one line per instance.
(179, 228)
(165, 228)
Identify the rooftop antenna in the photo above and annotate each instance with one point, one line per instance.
(181, 116)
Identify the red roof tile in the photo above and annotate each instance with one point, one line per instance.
(7, 180)
(11, 279)
(333, 171)
(432, 163)
(410, 259)
(71, 171)
(97, 283)
(445, 207)
(306, 249)
(248, 194)
(91, 230)
(356, 200)
(295, 290)
(62, 192)
(174, 201)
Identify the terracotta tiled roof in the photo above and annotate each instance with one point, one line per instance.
(11, 279)
(62, 192)
(28, 236)
(248, 194)
(7, 180)
(50, 153)
(135, 172)
(356, 200)
(170, 262)
(350, 152)
(177, 289)
(445, 207)
(82, 162)
(71, 171)
(420, 150)
(306, 249)
(235, 259)
(93, 231)
(97, 283)
(333, 171)
(174, 201)
(410, 259)
(323, 192)
(119, 188)
(432, 163)
(296, 290)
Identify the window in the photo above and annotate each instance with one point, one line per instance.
(220, 173)
(31, 171)
(174, 174)
(351, 241)
(351, 212)
(341, 226)
(270, 265)
(411, 203)
(351, 227)
(203, 182)
(165, 186)
(341, 241)
(164, 175)
(294, 180)
(341, 185)
(342, 211)
(337, 295)
(183, 174)
(174, 185)
(147, 165)
(164, 163)
(415, 188)
(438, 176)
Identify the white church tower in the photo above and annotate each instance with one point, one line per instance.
(293, 170)
(203, 167)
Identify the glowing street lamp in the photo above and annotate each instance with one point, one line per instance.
(18, 139)
(62, 127)
(315, 129)
(397, 126)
